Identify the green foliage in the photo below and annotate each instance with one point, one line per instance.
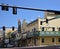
(9, 34)
(13, 35)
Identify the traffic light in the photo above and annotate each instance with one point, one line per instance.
(13, 28)
(46, 20)
(3, 27)
(5, 7)
(14, 10)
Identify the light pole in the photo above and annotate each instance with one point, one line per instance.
(13, 38)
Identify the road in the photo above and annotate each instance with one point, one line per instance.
(33, 48)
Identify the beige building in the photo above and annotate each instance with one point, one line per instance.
(45, 31)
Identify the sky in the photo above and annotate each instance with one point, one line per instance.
(8, 19)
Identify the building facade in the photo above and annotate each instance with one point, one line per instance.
(42, 32)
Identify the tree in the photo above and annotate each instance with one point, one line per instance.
(9, 36)
(13, 38)
(13, 35)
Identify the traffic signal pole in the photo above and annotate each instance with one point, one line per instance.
(27, 8)
(3, 36)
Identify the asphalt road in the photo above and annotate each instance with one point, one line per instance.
(33, 48)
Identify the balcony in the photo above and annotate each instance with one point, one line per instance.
(49, 33)
(44, 33)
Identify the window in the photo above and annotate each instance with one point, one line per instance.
(42, 28)
(34, 29)
(59, 29)
(46, 20)
(40, 22)
(58, 39)
(53, 40)
(42, 40)
(53, 29)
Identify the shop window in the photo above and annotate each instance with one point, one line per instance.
(42, 40)
(53, 39)
(58, 39)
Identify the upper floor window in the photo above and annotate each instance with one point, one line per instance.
(40, 22)
(53, 29)
(59, 29)
(46, 20)
(42, 28)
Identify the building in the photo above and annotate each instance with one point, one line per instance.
(42, 32)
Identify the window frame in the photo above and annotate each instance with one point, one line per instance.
(42, 40)
(53, 40)
(58, 39)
